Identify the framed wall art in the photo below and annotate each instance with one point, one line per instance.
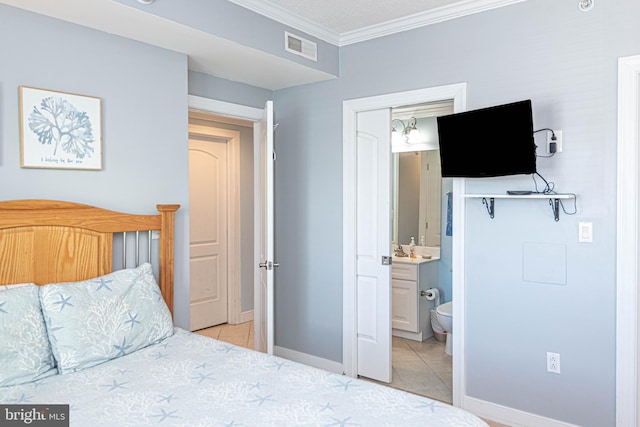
(60, 130)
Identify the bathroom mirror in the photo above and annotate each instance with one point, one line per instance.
(416, 179)
(416, 197)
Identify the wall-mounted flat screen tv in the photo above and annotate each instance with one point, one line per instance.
(489, 142)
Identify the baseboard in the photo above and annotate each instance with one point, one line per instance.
(307, 359)
(246, 316)
(509, 416)
(414, 336)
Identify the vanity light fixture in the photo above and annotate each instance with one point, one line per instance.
(146, 1)
(585, 5)
(409, 130)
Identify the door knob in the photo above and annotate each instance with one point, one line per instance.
(268, 265)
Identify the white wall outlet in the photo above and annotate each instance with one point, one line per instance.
(585, 232)
(553, 363)
(558, 141)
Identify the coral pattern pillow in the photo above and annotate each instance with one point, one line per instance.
(96, 320)
(25, 354)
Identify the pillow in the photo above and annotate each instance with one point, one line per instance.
(96, 320)
(25, 354)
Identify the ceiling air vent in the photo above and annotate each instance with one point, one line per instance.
(300, 46)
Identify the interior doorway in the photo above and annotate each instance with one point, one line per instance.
(419, 210)
(351, 303)
(221, 219)
(263, 233)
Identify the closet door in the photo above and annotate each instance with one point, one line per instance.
(208, 201)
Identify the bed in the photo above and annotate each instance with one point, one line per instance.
(80, 326)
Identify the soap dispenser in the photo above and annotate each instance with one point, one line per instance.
(412, 248)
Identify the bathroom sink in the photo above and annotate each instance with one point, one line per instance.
(417, 260)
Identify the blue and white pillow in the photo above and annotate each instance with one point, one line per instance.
(25, 354)
(96, 320)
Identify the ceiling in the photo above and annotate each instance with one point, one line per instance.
(339, 22)
(344, 16)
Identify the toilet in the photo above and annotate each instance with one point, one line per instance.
(444, 316)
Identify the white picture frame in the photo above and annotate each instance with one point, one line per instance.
(60, 130)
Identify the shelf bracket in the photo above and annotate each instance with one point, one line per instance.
(490, 206)
(555, 207)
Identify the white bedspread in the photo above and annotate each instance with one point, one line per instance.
(191, 380)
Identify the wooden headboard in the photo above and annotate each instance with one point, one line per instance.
(47, 241)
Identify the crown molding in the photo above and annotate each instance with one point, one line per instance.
(290, 19)
(422, 19)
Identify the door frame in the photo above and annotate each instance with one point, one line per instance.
(241, 112)
(456, 92)
(232, 139)
(627, 242)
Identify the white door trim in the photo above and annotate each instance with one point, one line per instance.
(232, 138)
(225, 108)
(627, 250)
(237, 111)
(457, 92)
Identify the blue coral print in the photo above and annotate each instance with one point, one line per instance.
(57, 122)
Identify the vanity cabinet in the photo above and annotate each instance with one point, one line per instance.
(410, 313)
(404, 297)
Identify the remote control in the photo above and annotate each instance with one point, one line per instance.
(519, 192)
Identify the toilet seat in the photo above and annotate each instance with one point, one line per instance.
(445, 309)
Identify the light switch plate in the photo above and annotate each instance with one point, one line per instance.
(585, 232)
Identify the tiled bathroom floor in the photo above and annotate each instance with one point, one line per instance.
(422, 368)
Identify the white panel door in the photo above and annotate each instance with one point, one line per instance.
(373, 241)
(208, 198)
(264, 253)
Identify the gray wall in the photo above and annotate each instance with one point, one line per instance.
(143, 164)
(308, 220)
(229, 21)
(144, 132)
(566, 62)
(219, 89)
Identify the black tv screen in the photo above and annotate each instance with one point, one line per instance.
(489, 142)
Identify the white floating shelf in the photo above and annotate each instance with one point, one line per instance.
(520, 196)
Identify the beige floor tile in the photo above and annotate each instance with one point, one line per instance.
(422, 368)
(405, 355)
(240, 335)
(213, 332)
(241, 330)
